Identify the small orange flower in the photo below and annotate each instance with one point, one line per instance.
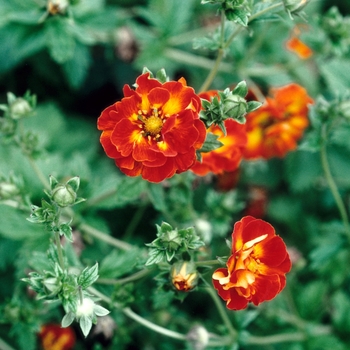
(155, 130)
(274, 129)
(229, 155)
(297, 46)
(54, 337)
(256, 269)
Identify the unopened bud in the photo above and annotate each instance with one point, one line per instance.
(20, 108)
(8, 190)
(294, 7)
(64, 195)
(184, 276)
(172, 240)
(55, 7)
(198, 337)
(235, 107)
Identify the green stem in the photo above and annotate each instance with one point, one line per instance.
(93, 201)
(267, 9)
(223, 46)
(39, 173)
(274, 339)
(161, 330)
(59, 250)
(332, 185)
(5, 346)
(136, 276)
(222, 312)
(104, 237)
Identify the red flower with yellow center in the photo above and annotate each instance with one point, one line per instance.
(54, 337)
(155, 130)
(274, 128)
(256, 269)
(229, 155)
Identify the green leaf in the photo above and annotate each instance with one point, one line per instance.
(88, 276)
(15, 226)
(66, 231)
(59, 39)
(239, 16)
(76, 69)
(157, 196)
(211, 143)
(118, 263)
(155, 256)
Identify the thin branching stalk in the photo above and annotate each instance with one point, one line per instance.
(332, 184)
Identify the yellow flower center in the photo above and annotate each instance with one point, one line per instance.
(153, 125)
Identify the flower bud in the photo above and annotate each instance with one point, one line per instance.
(20, 108)
(294, 7)
(198, 337)
(184, 276)
(8, 190)
(172, 240)
(64, 195)
(57, 6)
(235, 107)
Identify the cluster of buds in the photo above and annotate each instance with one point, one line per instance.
(228, 104)
(171, 241)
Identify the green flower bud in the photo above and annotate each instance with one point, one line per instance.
(64, 195)
(172, 240)
(184, 276)
(20, 108)
(294, 7)
(8, 190)
(234, 106)
(198, 337)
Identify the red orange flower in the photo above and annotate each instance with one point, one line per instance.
(256, 269)
(155, 130)
(274, 129)
(229, 155)
(54, 337)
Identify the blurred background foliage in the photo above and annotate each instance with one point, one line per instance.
(76, 61)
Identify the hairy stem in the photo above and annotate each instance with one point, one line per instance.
(222, 312)
(59, 250)
(224, 45)
(104, 237)
(332, 185)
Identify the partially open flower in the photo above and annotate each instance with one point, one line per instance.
(155, 130)
(184, 276)
(256, 269)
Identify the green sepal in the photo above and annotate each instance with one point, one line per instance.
(211, 143)
(74, 182)
(68, 319)
(161, 76)
(253, 105)
(241, 89)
